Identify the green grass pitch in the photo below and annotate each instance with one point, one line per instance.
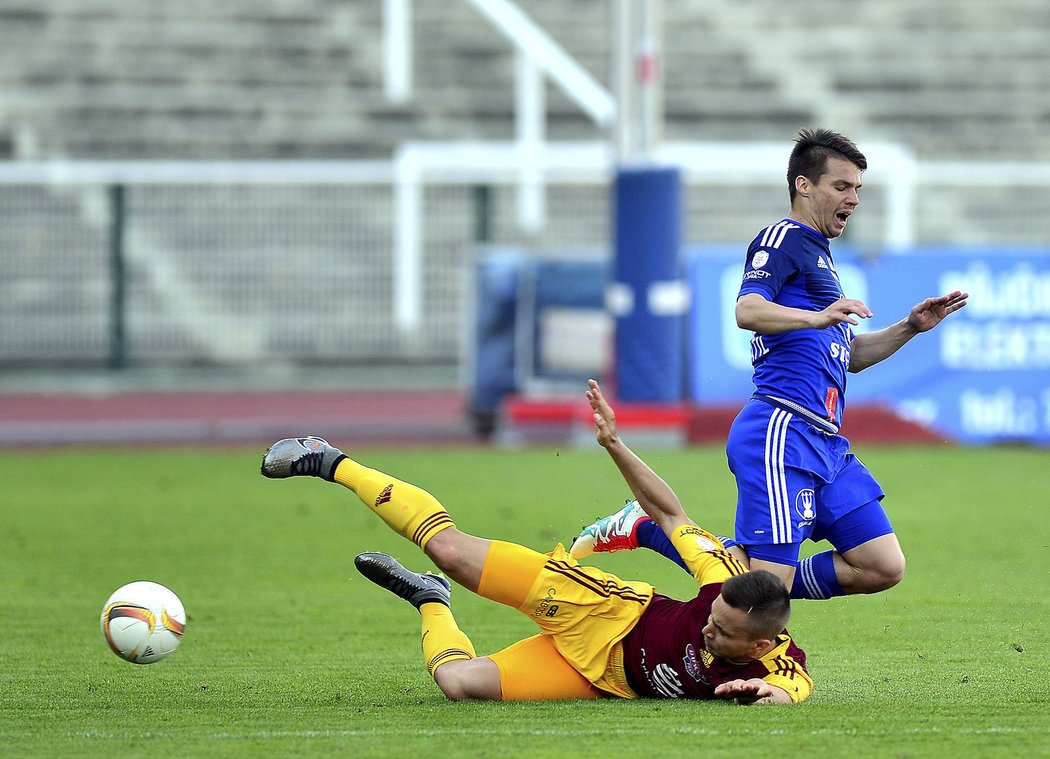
(289, 652)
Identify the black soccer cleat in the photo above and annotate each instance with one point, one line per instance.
(301, 456)
(416, 588)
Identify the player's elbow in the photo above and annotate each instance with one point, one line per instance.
(748, 311)
(857, 363)
(455, 688)
(744, 317)
(469, 680)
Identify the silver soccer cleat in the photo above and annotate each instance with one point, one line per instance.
(301, 456)
(415, 587)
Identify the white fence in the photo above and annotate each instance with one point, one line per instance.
(270, 263)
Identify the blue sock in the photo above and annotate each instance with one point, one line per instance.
(815, 578)
(652, 537)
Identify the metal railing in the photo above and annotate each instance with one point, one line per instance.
(342, 262)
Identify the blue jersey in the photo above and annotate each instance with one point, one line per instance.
(790, 264)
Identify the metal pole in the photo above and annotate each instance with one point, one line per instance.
(118, 277)
(530, 128)
(397, 50)
(649, 76)
(623, 79)
(408, 242)
(482, 213)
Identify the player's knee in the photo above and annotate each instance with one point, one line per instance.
(445, 552)
(895, 572)
(885, 574)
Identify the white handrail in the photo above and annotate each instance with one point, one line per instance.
(895, 171)
(195, 172)
(574, 80)
(536, 55)
(893, 166)
(530, 110)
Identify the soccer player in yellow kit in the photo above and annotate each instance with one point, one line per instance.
(599, 635)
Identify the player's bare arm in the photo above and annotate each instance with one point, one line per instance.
(654, 495)
(868, 350)
(755, 313)
(754, 691)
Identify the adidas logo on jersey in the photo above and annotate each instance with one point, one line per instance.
(821, 263)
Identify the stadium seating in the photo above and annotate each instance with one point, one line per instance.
(303, 79)
(246, 79)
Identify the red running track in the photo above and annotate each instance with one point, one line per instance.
(371, 417)
(376, 417)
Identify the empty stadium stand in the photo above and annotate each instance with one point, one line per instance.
(219, 277)
(281, 79)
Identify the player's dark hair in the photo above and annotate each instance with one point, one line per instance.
(762, 596)
(809, 157)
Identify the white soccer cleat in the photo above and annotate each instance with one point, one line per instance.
(616, 532)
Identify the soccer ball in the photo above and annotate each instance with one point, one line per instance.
(143, 622)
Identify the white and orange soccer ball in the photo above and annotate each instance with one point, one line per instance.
(143, 622)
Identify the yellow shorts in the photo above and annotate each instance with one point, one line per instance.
(584, 611)
(533, 670)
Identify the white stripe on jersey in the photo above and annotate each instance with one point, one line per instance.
(773, 236)
(783, 234)
(758, 348)
(776, 478)
(769, 232)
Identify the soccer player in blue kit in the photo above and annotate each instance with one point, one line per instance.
(796, 477)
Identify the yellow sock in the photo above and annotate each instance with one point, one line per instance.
(443, 641)
(409, 511)
(707, 559)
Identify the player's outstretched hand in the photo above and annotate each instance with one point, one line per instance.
(604, 418)
(744, 691)
(844, 310)
(932, 311)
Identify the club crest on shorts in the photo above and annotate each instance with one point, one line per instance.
(805, 506)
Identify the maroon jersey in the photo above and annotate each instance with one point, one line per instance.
(664, 655)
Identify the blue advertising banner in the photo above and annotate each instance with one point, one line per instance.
(982, 376)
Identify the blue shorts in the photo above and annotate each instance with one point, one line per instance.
(795, 483)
